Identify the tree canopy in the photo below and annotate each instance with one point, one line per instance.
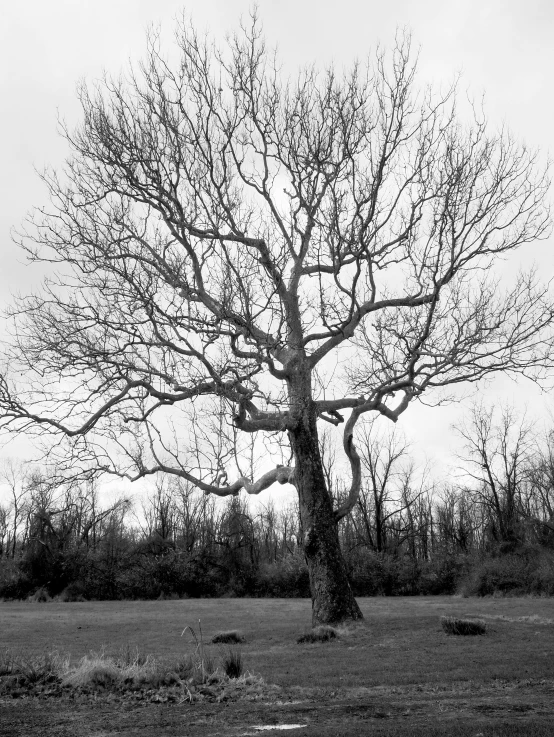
(299, 250)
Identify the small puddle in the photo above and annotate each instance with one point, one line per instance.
(267, 727)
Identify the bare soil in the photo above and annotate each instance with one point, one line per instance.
(502, 709)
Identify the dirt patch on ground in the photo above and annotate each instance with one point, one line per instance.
(379, 711)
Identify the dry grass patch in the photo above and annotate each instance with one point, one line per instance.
(185, 680)
(458, 626)
(22, 673)
(99, 671)
(131, 674)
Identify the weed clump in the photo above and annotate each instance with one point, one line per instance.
(94, 671)
(457, 626)
(38, 673)
(133, 675)
(232, 664)
(323, 633)
(232, 637)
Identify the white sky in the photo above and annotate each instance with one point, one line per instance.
(503, 48)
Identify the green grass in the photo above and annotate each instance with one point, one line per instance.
(397, 672)
(401, 641)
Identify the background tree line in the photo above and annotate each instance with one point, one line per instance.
(488, 529)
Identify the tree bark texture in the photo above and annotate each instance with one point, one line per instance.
(332, 597)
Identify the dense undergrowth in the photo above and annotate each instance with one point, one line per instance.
(526, 570)
(57, 541)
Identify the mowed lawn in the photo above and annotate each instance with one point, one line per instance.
(396, 674)
(400, 643)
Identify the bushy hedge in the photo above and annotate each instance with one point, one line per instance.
(527, 570)
(381, 574)
(284, 578)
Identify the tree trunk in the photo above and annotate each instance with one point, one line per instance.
(332, 597)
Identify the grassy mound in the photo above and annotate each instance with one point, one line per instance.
(232, 637)
(457, 626)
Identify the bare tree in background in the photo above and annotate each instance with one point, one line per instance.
(539, 504)
(498, 457)
(220, 232)
(386, 472)
(16, 477)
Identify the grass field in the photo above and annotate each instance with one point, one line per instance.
(398, 673)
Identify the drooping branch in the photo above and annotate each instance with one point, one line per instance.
(280, 475)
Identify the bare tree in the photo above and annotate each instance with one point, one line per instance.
(221, 233)
(456, 523)
(538, 506)
(498, 459)
(5, 525)
(386, 473)
(17, 477)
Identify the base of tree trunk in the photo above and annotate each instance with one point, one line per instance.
(333, 601)
(335, 612)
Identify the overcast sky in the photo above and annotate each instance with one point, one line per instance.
(503, 48)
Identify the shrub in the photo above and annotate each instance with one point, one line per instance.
(323, 633)
(287, 577)
(541, 578)
(14, 584)
(40, 595)
(384, 574)
(456, 626)
(528, 571)
(232, 637)
(74, 592)
(441, 574)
